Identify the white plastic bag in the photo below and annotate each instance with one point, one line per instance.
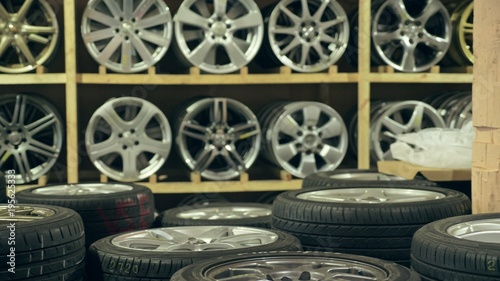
(436, 147)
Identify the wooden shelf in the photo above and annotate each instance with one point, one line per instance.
(420, 78)
(23, 79)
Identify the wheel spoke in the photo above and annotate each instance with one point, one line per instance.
(286, 151)
(283, 30)
(38, 39)
(415, 121)
(292, 45)
(99, 35)
(146, 23)
(153, 38)
(23, 165)
(25, 50)
(126, 55)
(220, 7)
(4, 43)
(219, 112)
(311, 115)
(306, 14)
(112, 118)
(242, 44)
(399, 9)
(320, 51)
(102, 18)
(468, 28)
(432, 7)
(110, 49)
(98, 150)
(327, 38)
(289, 126)
(186, 16)
(38, 29)
(199, 54)
(19, 110)
(236, 55)
(331, 154)
(435, 42)
(190, 35)
(321, 10)
(327, 24)
(143, 8)
(143, 118)
(307, 164)
(243, 239)
(113, 8)
(154, 146)
(331, 129)
(393, 126)
(128, 6)
(231, 151)
(23, 11)
(216, 233)
(41, 124)
(195, 131)
(244, 131)
(142, 50)
(408, 61)
(205, 158)
(304, 53)
(43, 149)
(129, 164)
(247, 21)
(3, 13)
(293, 17)
(382, 38)
(202, 7)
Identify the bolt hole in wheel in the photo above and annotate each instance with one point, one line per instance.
(218, 137)
(28, 35)
(127, 36)
(307, 36)
(128, 139)
(410, 35)
(218, 36)
(32, 133)
(304, 137)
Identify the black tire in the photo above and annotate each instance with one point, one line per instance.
(440, 255)
(171, 217)
(102, 214)
(378, 229)
(354, 177)
(3, 188)
(199, 271)
(105, 258)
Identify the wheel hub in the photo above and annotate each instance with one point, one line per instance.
(308, 32)
(15, 138)
(412, 31)
(129, 139)
(12, 28)
(219, 29)
(127, 27)
(195, 241)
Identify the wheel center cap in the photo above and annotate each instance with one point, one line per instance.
(195, 241)
(219, 140)
(15, 138)
(219, 29)
(127, 27)
(12, 28)
(310, 140)
(308, 32)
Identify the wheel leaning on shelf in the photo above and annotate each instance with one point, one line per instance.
(127, 38)
(31, 136)
(218, 36)
(128, 139)
(411, 36)
(29, 35)
(462, 18)
(307, 36)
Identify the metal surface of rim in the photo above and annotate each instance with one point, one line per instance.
(218, 137)
(82, 189)
(219, 36)
(28, 35)
(224, 213)
(306, 137)
(295, 268)
(399, 118)
(127, 36)
(370, 195)
(128, 139)
(308, 36)
(411, 36)
(465, 30)
(31, 136)
(23, 214)
(195, 239)
(366, 177)
(487, 231)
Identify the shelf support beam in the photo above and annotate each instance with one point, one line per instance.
(364, 84)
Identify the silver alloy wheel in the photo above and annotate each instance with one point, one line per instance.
(295, 268)
(23, 213)
(127, 35)
(366, 177)
(218, 137)
(128, 139)
(399, 118)
(31, 136)
(82, 189)
(308, 36)
(224, 213)
(218, 36)
(487, 231)
(371, 195)
(28, 35)
(411, 36)
(194, 238)
(305, 137)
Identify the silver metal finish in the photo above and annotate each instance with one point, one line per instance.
(308, 36)
(82, 189)
(366, 177)
(195, 239)
(128, 139)
(31, 136)
(399, 118)
(411, 36)
(218, 137)
(295, 268)
(28, 34)
(224, 213)
(23, 214)
(127, 35)
(371, 195)
(487, 231)
(304, 137)
(218, 36)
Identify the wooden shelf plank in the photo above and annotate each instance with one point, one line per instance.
(226, 186)
(214, 79)
(420, 78)
(23, 79)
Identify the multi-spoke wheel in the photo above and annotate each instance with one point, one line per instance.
(218, 36)
(127, 36)
(31, 136)
(304, 137)
(28, 34)
(462, 20)
(218, 137)
(128, 139)
(411, 35)
(307, 36)
(398, 118)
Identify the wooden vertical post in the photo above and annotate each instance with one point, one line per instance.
(364, 84)
(71, 96)
(486, 107)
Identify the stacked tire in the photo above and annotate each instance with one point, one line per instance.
(41, 243)
(370, 221)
